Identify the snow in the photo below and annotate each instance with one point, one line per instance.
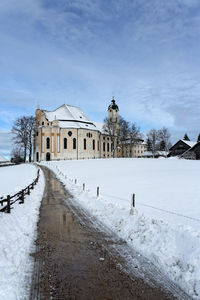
(164, 226)
(189, 143)
(67, 112)
(70, 116)
(18, 232)
(15, 178)
(66, 124)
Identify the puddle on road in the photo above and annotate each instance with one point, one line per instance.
(70, 262)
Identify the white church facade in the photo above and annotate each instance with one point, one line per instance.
(67, 133)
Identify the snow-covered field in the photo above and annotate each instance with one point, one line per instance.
(165, 226)
(15, 178)
(18, 231)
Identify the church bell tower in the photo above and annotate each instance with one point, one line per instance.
(113, 115)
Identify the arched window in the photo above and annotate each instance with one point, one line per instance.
(65, 143)
(84, 144)
(104, 146)
(93, 144)
(48, 143)
(108, 147)
(74, 143)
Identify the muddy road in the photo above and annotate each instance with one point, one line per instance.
(77, 258)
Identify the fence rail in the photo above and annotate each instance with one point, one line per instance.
(19, 196)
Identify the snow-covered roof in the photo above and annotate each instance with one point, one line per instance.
(69, 116)
(147, 153)
(3, 159)
(189, 143)
(100, 126)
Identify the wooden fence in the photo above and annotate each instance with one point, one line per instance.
(10, 200)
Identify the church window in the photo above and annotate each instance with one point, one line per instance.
(48, 143)
(104, 138)
(84, 144)
(37, 133)
(74, 143)
(104, 146)
(93, 142)
(108, 147)
(69, 133)
(48, 124)
(112, 147)
(65, 143)
(42, 123)
(108, 138)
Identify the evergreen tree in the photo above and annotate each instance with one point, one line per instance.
(162, 146)
(186, 138)
(198, 139)
(149, 147)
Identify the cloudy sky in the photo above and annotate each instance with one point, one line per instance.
(82, 52)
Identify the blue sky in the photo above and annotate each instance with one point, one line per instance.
(145, 53)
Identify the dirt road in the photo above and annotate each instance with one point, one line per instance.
(78, 259)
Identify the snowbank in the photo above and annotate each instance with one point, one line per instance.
(170, 241)
(15, 178)
(18, 232)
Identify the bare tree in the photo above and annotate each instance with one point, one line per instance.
(164, 136)
(124, 134)
(153, 138)
(30, 129)
(17, 155)
(113, 133)
(22, 130)
(134, 133)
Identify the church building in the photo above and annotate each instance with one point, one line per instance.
(67, 133)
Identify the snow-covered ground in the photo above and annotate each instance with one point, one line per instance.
(18, 232)
(166, 226)
(15, 178)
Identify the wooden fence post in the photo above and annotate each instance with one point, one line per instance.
(28, 190)
(22, 197)
(133, 200)
(98, 191)
(83, 186)
(8, 204)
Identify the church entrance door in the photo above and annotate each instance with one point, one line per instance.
(37, 156)
(48, 156)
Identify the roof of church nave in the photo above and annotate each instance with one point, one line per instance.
(69, 116)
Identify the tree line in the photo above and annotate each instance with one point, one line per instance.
(128, 133)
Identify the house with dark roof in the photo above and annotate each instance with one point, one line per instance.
(180, 147)
(193, 152)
